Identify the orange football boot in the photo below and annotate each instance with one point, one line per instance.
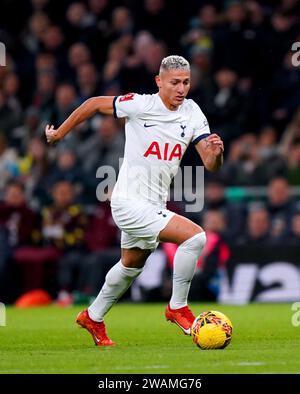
(96, 329)
(183, 317)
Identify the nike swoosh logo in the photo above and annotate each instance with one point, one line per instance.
(149, 125)
(97, 339)
(186, 331)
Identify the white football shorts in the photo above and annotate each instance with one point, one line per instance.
(140, 222)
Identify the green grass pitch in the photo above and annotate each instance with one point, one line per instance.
(46, 340)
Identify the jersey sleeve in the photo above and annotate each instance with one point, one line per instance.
(130, 105)
(200, 125)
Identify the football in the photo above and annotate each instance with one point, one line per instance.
(211, 330)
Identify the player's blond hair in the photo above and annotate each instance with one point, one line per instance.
(174, 62)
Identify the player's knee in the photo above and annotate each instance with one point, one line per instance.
(134, 261)
(194, 244)
(121, 273)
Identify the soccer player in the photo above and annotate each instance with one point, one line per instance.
(158, 129)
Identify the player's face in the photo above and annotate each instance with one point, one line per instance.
(173, 87)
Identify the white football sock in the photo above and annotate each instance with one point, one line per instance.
(185, 261)
(117, 281)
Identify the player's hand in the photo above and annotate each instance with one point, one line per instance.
(51, 134)
(214, 143)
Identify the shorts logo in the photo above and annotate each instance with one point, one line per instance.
(161, 213)
(127, 97)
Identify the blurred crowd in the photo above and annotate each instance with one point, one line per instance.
(59, 53)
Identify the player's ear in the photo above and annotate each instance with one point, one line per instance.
(158, 81)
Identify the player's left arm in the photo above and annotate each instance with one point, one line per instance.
(211, 149)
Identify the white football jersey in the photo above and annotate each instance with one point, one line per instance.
(156, 139)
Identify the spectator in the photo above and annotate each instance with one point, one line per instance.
(64, 226)
(33, 170)
(31, 127)
(37, 26)
(202, 86)
(65, 169)
(87, 81)
(291, 134)
(199, 39)
(43, 97)
(267, 140)
(45, 63)
(112, 68)
(215, 199)
(109, 140)
(65, 102)
(285, 96)
(8, 163)
(9, 117)
(19, 229)
(78, 55)
(153, 16)
(53, 41)
(100, 10)
(294, 235)
(80, 23)
(242, 161)
(235, 41)
(10, 89)
(121, 23)
(257, 227)
(19, 220)
(280, 205)
(227, 105)
(137, 77)
(62, 235)
(253, 160)
(206, 283)
(293, 165)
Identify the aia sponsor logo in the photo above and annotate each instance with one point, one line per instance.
(164, 152)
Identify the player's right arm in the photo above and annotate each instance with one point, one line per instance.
(103, 104)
